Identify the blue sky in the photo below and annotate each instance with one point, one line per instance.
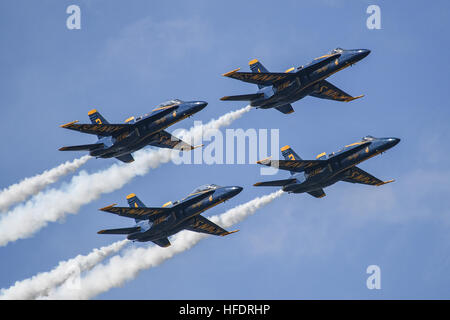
(128, 57)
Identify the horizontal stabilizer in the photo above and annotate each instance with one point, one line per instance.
(120, 230)
(294, 165)
(243, 97)
(275, 183)
(83, 147)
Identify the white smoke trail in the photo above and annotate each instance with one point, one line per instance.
(55, 204)
(40, 284)
(30, 186)
(124, 268)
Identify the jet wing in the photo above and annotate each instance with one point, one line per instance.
(294, 165)
(326, 90)
(136, 213)
(357, 175)
(319, 193)
(203, 225)
(163, 139)
(98, 129)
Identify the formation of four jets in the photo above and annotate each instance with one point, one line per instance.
(275, 90)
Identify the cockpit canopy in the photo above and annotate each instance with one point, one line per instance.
(205, 187)
(337, 50)
(169, 103)
(368, 138)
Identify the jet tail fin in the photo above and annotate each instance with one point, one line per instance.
(97, 118)
(289, 154)
(135, 202)
(257, 67)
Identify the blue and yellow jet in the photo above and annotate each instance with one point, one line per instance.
(120, 140)
(157, 224)
(279, 89)
(312, 176)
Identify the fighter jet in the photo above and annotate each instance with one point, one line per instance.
(279, 89)
(120, 140)
(312, 176)
(157, 224)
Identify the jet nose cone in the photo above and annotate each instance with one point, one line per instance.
(391, 142)
(232, 191)
(199, 105)
(395, 141)
(362, 53)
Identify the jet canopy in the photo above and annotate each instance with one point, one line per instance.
(337, 50)
(368, 138)
(169, 103)
(205, 187)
